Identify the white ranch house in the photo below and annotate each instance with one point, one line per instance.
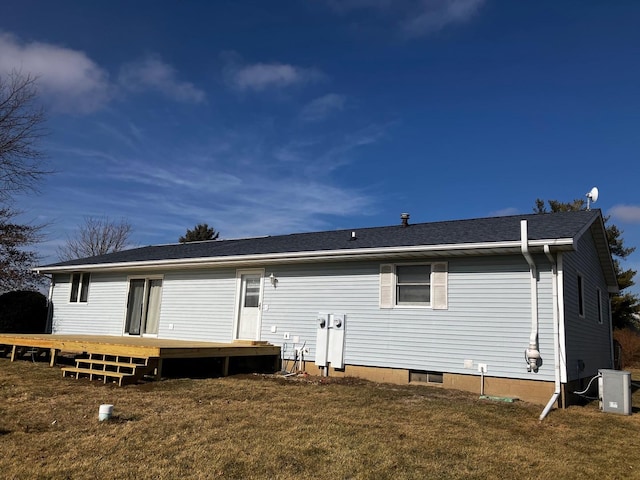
(523, 298)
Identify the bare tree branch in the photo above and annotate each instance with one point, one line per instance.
(21, 167)
(96, 236)
(21, 120)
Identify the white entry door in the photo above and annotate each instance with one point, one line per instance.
(250, 296)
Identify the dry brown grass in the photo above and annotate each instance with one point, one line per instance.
(261, 427)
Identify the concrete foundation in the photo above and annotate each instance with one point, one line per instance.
(533, 391)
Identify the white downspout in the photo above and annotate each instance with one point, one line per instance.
(531, 354)
(556, 333)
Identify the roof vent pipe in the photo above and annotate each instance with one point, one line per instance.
(353, 235)
(405, 219)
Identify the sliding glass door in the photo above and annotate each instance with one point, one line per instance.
(143, 306)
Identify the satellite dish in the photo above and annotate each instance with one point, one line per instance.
(592, 196)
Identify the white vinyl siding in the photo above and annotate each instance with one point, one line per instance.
(588, 341)
(102, 315)
(198, 305)
(488, 317)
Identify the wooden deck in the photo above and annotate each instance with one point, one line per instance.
(154, 349)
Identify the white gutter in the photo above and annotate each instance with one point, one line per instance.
(532, 354)
(306, 256)
(556, 333)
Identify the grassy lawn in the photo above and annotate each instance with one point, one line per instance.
(257, 426)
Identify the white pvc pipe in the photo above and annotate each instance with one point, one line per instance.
(549, 406)
(532, 353)
(556, 334)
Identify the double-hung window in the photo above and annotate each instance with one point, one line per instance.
(414, 285)
(80, 287)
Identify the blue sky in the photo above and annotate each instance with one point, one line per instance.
(263, 118)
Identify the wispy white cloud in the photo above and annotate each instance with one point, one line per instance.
(626, 213)
(434, 15)
(265, 76)
(415, 17)
(321, 156)
(151, 73)
(321, 107)
(504, 212)
(68, 79)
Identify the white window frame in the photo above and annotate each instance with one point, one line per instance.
(438, 285)
(82, 288)
(397, 285)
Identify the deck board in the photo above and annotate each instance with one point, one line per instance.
(138, 346)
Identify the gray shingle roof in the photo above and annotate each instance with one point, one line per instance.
(473, 231)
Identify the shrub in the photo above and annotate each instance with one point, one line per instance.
(629, 341)
(23, 312)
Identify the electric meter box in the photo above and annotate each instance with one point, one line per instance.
(614, 391)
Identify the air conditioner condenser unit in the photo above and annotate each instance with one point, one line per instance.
(614, 391)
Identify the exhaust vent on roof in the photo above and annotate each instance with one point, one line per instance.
(405, 219)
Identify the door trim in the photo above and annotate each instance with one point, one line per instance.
(146, 278)
(238, 299)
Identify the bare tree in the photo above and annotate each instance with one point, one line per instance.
(21, 167)
(96, 236)
(21, 127)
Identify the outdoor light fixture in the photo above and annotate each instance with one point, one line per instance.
(273, 279)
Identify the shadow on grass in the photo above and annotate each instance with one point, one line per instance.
(120, 419)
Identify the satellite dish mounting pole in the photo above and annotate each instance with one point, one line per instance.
(592, 196)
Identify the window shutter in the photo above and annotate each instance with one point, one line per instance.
(439, 281)
(386, 286)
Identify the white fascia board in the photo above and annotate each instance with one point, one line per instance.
(315, 256)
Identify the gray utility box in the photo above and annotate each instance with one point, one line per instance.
(614, 391)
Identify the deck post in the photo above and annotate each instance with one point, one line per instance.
(13, 353)
(159, 370)
(53, 354)
(225, 367)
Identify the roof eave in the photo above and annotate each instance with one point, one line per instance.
(463, 249)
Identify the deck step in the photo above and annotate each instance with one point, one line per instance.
(105, 367)
(105, 376)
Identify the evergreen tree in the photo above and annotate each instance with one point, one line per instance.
(200, 232)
